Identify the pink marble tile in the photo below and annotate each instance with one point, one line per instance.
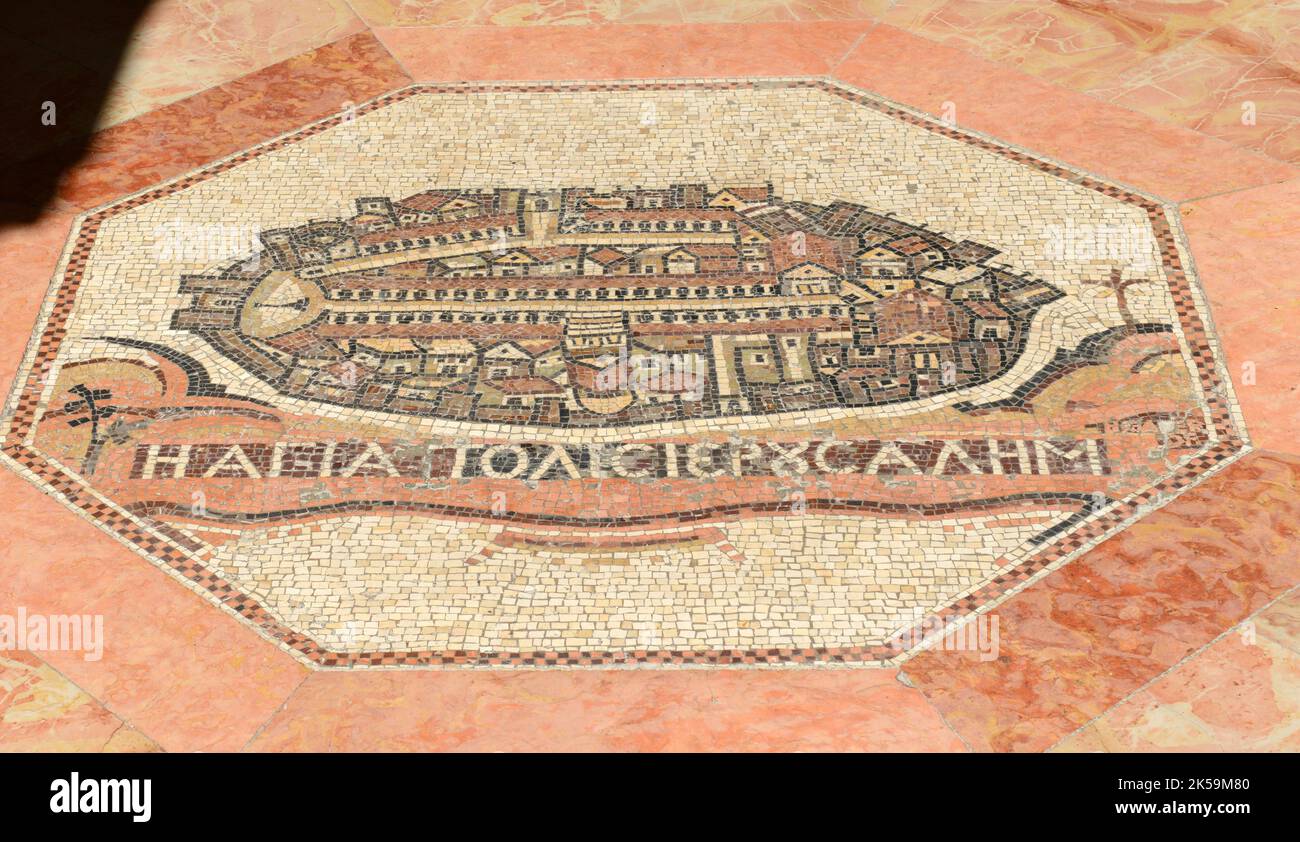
(181, 47)
(217, 122)
(1235, 84)
(615, 51)
(1088, 635)
(1281, 622)
(129, 741)
(733, 11)
(185, 46)
(1238, 695)
(175, 666)
(1066, 43)
(1142, 724)
(1247, 248)
(1083, 741)
(662, 710)
(41, 710)
(515, 12)
(838, 9)
(1172, 162)
(1079, 45)
(1156, 25)
(28, 257)
(1270, 29)
(648, 11)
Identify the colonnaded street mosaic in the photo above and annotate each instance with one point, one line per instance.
(745, 372)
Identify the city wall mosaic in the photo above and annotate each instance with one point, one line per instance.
(702, 373)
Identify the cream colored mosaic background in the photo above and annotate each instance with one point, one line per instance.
(401, 583)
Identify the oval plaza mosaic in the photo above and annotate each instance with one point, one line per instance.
(764, 372)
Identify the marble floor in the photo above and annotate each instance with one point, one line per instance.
(662, 375)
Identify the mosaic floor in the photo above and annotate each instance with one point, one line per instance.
(474, 399)
(729, 370)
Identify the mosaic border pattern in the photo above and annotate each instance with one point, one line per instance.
(178, 556)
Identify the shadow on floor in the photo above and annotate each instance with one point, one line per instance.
(61, 58)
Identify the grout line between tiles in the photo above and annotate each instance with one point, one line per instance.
(1230, 191)
(116, 731)
(257, 732)
(406, 71)
(122, 718)
(852, 47)
(906, 682)
(242, 75)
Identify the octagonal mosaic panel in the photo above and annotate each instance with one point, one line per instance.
(733, 373)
